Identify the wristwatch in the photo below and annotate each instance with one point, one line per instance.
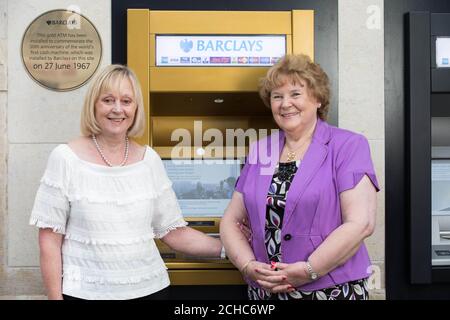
(312, 274)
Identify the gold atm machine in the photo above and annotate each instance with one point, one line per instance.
(199, 72)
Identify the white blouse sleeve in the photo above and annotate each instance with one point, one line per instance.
(51, 206)
(167, 214)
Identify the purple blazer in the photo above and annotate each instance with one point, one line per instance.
(335, 161)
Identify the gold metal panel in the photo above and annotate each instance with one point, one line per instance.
(228, 152)
(303, 32)
(288, 44)
(152, 40)
(205, 79)
(164, 127)
(205, 277)
(220, 22)
(138, 55)
(179, 104)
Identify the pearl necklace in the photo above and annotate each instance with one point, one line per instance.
(125, 159)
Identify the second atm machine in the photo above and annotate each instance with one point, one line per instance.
(428, 123)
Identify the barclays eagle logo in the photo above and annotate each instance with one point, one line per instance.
(186, 45)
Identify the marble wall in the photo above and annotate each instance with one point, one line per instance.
(361, 100)
(3, 139)
(37, 119)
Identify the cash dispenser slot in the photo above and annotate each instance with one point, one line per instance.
(444, 227)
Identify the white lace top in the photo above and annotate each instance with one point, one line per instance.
(109, 217)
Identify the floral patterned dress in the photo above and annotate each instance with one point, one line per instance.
(276, 201)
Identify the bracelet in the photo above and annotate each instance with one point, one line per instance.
(313, 275)
(244, 268)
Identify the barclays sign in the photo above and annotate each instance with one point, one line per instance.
(232, 50)
(224, 46)
(230, 45)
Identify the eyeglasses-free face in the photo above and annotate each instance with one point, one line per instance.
(115, 109)
(293, 107)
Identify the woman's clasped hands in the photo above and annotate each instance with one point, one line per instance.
(277, 277)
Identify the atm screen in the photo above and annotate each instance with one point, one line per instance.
(203, 187)
(440, 186)
(443, 52)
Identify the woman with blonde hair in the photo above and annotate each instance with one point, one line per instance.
(103, 200)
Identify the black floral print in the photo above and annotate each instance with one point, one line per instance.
(276, 201)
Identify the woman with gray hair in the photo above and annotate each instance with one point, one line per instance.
(103, 200)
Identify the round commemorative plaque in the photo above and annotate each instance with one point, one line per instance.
(61, 50)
